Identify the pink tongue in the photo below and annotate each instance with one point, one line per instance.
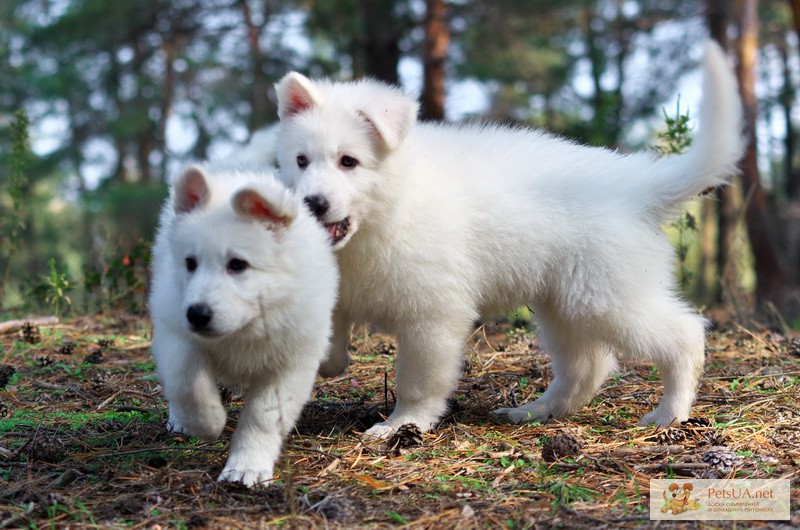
(333, 230)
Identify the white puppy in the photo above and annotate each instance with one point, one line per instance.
(244, 283)
(438, 225)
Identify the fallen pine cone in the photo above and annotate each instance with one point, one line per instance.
(560, 446)
(6, 372)
(723, 459)
(408, 435)
(30, 333)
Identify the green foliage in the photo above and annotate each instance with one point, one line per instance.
(57, 288)
(675, 140)
(566, 493)
(687, 227)
(121, 282)
(12, 222)
(19, 158)
(114, 274)
(397, 518)
(678, 136)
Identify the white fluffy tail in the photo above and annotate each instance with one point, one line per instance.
(716, 148)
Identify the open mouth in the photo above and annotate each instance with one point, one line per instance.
(338, 230)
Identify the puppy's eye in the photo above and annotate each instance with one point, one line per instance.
(302, 161)
(191, 264)
(237, 265)
(348, 162)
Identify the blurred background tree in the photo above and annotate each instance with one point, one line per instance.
(119, 95)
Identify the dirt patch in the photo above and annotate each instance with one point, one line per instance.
(82, 442)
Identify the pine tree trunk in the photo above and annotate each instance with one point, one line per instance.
(773, 282)
(792, 177)
(717, 16)
(382, 46)
(262, 111)
(437, 38)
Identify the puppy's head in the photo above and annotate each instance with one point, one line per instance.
(226, 242)
(334, 139)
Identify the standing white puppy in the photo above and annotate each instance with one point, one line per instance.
(437, 225)
(244, 283)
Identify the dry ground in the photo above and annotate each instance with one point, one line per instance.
(82, 443)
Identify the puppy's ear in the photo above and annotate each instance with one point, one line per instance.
(190, 190)
(673, 487)
(391, 114)
(688, 486)
(252, 204)
(296, 93)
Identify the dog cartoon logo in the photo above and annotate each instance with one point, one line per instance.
(679, 499)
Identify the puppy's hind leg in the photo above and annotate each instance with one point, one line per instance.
(673, 337)
(581, 363)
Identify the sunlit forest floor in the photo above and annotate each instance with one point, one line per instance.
(83, 445)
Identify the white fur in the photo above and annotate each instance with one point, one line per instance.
(270, 325)
(451, 223)
(260, 150)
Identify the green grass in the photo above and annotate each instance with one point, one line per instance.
(566, 493)
(70, 420)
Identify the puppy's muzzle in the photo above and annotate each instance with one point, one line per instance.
(319, 206)
(199, 317)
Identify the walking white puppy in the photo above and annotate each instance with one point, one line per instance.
(244, 283)
(437, 225)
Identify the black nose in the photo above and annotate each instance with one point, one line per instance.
(318, 204)
(199, 316)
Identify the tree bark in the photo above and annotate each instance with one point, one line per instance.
(791, 185)
(382, 46)
(773, 282)
(170, 48)
(792, 178)
(437, 38)
(796, 14)
(717, 17)
(597, 60)
(262, 111)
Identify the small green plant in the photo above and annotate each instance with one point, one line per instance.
(57, 288)
(567, 493)
(397, 518)
(675, 140)
(678, 136)
(121, 281)
(518, 463)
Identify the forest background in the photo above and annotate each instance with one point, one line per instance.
(102, 102)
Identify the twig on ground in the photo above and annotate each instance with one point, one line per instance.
(14, 325)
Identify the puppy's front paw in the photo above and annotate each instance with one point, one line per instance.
(206, 423)
(662, 418)
(385, 429)
(525, 413)
(250, 472)
(173, 425)
(381, 431)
